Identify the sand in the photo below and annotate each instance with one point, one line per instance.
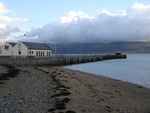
(59, 90)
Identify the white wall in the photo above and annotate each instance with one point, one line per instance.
(40, 53)
(20, 47)
(6, 51)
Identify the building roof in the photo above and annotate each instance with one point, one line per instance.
(37, 46)
(12, 43)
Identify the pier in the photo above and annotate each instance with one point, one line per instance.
(60, 60)
(84, 58)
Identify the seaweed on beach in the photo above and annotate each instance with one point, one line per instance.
(70, 111)
(61, 94)
(11, 73)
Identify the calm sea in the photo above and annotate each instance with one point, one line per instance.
(134, 69)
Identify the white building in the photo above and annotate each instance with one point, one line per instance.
(6, 49)
(25, 49)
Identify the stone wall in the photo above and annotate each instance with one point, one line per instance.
(57, 60)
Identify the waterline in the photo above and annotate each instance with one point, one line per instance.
(134, 69)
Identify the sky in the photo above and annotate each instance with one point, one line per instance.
(41, 12)
(45, 19)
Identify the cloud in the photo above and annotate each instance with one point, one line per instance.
(141, 7)
(116, 13)
(10, 26)
(3, 8)
(73, 16)
(77, 26)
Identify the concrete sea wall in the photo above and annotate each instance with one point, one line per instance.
(58, 59)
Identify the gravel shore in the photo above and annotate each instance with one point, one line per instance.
(59, 90)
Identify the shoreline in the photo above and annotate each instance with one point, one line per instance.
(59, 90)
(104, 76)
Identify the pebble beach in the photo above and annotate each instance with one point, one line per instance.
(58, 90)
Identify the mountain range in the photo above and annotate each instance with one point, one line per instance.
(102, 47)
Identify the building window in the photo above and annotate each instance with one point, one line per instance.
(19, 52)
(32, 52)
(40, 53)
(6, 47)
(48, 53)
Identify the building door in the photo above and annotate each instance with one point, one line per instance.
(19, 52)
(19, 49)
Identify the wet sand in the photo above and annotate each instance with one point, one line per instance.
(59, 90)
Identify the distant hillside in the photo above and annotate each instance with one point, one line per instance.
(103, 47)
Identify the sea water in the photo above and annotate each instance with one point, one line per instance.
(134, 69)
